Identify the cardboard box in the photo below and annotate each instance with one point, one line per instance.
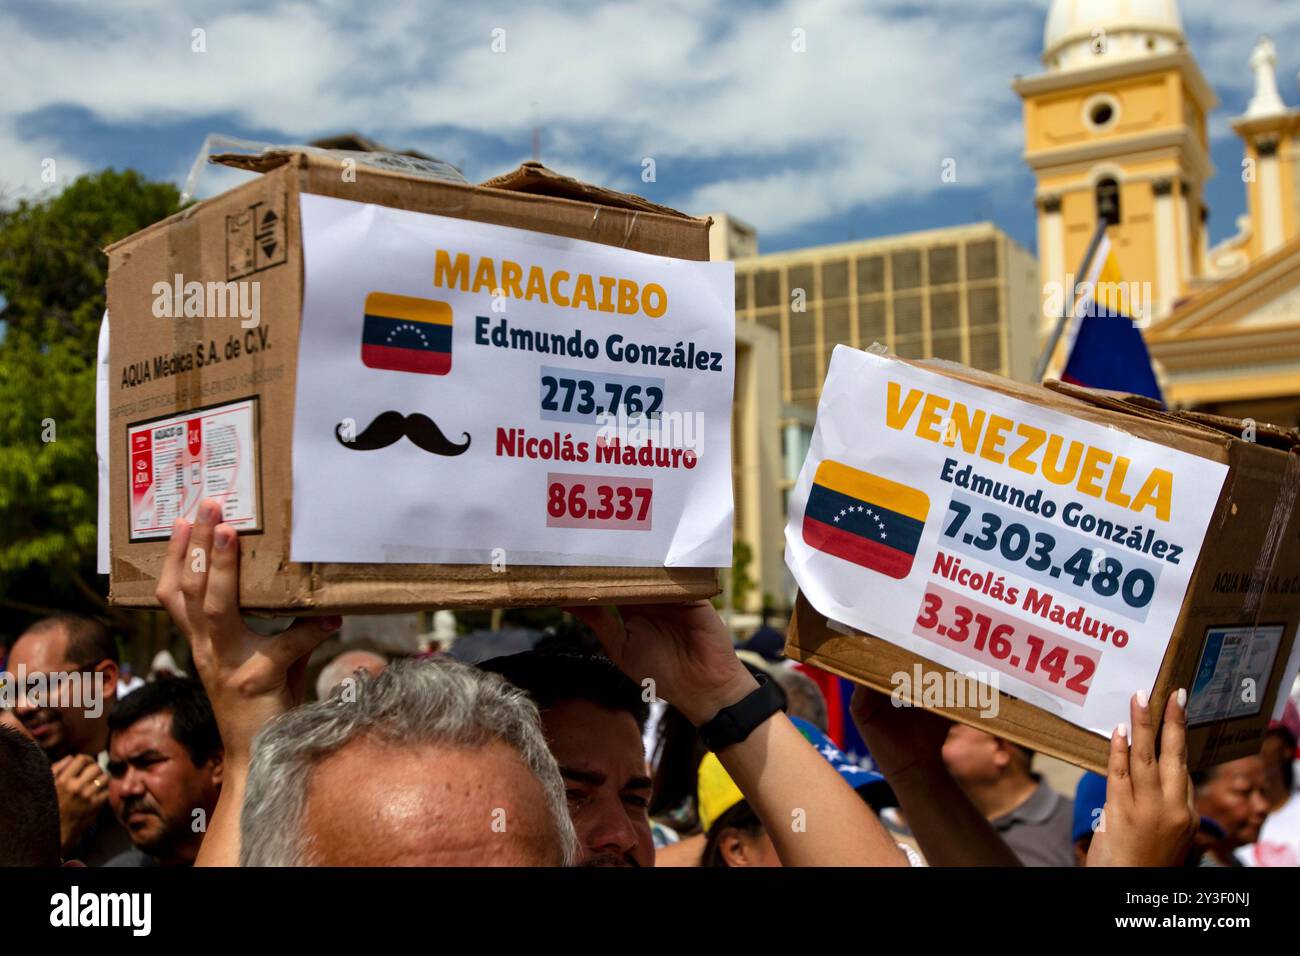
(1247, 575)
(254, 230)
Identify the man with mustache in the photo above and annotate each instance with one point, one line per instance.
(73, 730)
(165, 764)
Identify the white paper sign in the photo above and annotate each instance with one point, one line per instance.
(470, 393)
(1046, 554)
(102, 551)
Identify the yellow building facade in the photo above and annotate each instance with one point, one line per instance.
(1116, 129)
(1119, 122)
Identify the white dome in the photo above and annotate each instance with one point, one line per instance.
(1083, 33)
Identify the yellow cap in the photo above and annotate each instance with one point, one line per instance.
(717, 792)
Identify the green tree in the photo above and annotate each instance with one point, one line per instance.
(52, 275)
(742, 556)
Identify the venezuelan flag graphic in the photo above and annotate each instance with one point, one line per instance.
(406, 334)
(866, 519)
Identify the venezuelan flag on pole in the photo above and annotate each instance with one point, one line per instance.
(1106, 349)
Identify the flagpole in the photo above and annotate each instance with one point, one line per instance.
(1067, 309)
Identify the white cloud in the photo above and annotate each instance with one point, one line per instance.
(28, 165)
(733, 117)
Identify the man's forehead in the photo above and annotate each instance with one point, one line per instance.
(426, 805)
(45, 649)
(594, 740)
(153, 732)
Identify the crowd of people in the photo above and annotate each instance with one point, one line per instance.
(653, 742)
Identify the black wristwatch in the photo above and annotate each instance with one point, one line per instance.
(735, 723)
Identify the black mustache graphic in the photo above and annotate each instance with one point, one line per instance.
(388, 427)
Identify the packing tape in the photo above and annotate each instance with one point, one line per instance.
(631, 228)
(184, 259)
(1272, 545)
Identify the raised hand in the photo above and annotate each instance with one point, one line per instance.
(898, 738)
(249, 678)
(1150, 817)
(684, 648)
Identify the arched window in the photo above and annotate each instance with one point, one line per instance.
(1108, 201)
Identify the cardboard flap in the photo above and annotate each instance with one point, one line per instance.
(1138, 406)
(535, 178)
(252, 162)
(1098, 396)
(403, 165)
(1271, 436)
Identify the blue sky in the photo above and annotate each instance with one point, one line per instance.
(843, 141)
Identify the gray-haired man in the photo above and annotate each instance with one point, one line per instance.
(433, 763)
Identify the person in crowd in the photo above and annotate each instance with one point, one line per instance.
(1148, 816)
(1278, 843)
(1279, 751)
(346, 665)
(1233, 796)
(9, 720)
(767, 642)
(675, 751)
(165, 765)
(29, 805)
(805, 697)
(1089, 801)
(997, 776)
(590, 710)
(592, 715)
(686, 653)
(127, 681)
(67, 644)
(163, 664)
(734, 835)
(71, 725)
(434, 763)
